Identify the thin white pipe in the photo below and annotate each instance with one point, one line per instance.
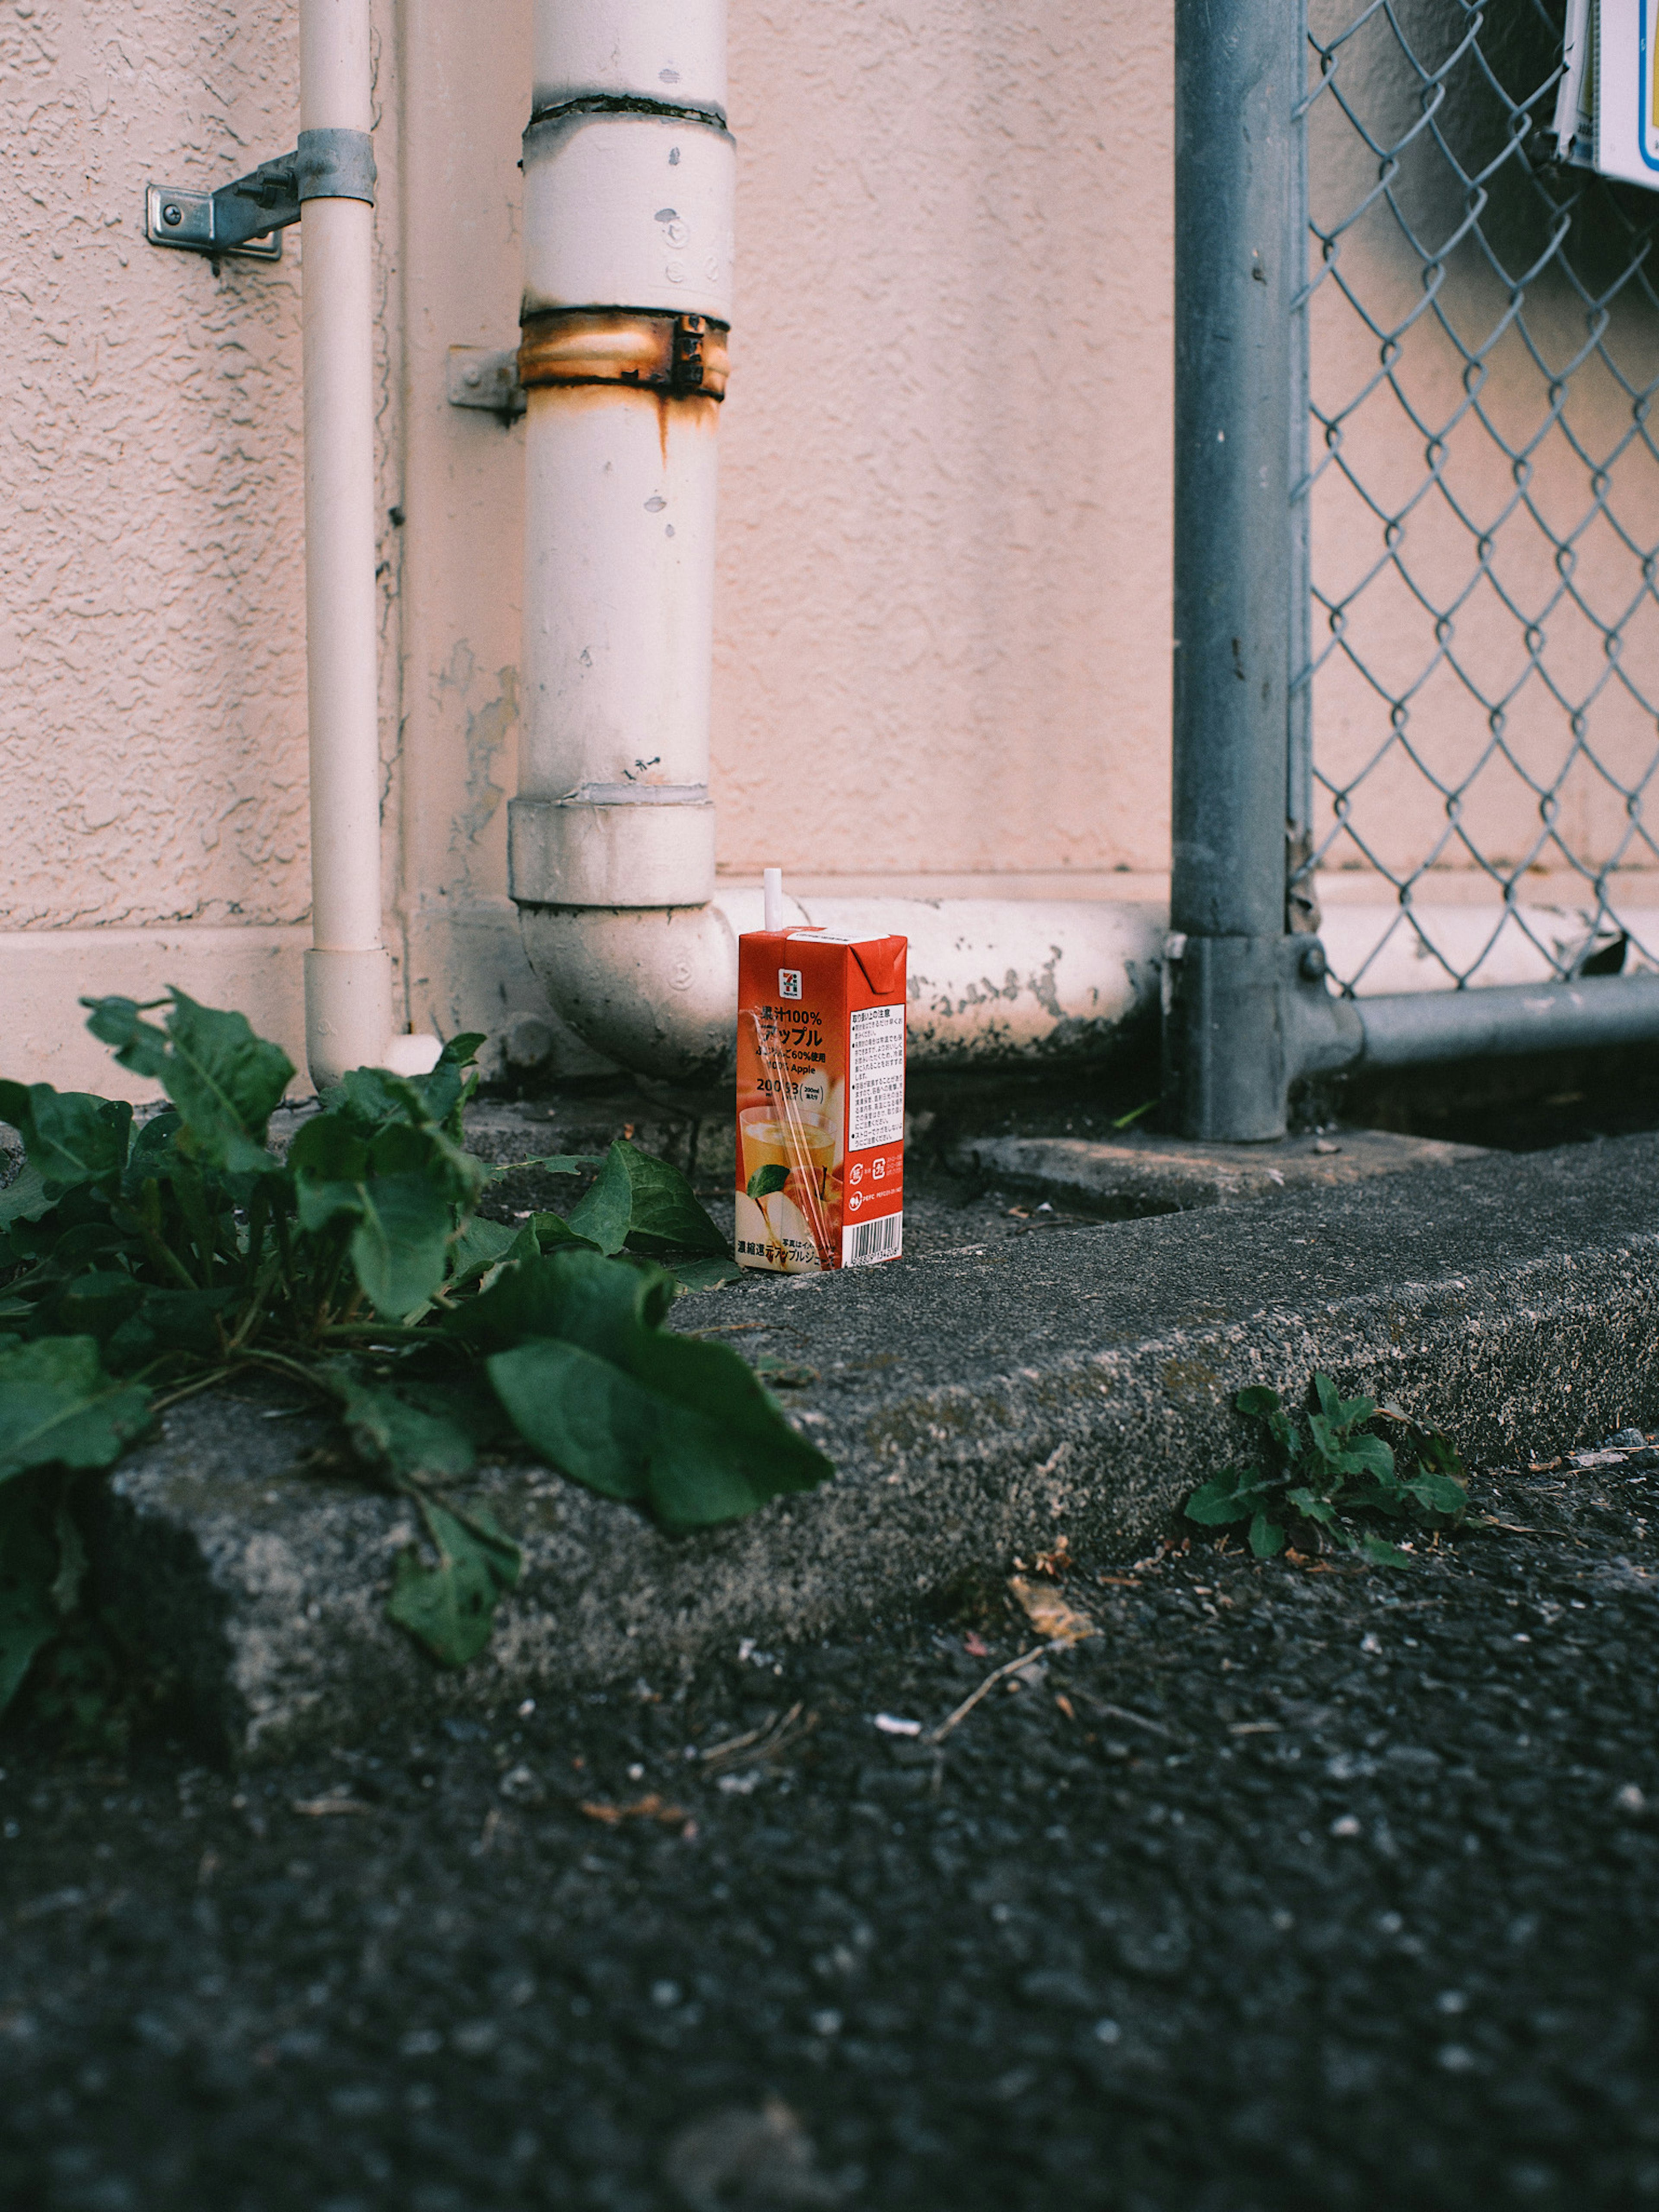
(340, 590)
(349, 1018)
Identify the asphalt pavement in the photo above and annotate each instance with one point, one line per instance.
(1291, 1885)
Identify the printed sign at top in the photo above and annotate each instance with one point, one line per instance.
(1606, 112)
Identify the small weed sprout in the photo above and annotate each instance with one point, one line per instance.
(1344, 1457)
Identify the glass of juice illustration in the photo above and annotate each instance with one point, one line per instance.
(787, 1159)
(802, 1144)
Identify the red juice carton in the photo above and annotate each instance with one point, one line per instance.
(820, 1179)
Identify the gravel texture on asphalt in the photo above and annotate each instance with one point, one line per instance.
(1292, 1885)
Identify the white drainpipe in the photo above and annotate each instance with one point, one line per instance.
(349, 1018)
(628, 189)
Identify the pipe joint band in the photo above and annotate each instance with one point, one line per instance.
(626, 103)
(335, 164)
(677, 354)
(654, 847)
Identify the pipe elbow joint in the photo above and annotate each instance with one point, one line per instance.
(654, 989)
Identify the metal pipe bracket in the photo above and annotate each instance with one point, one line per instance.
(478, 377)
(335, 164)
(247, 215)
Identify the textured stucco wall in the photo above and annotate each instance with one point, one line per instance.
(944, 610)
(152, 634)
(943, 614)
(943, 644)
(152, 752)
(464, 100)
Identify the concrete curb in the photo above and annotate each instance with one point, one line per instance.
(977, 1402)
(1140, 1174)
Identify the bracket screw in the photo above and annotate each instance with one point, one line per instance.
(173, 215)
(1313, 963)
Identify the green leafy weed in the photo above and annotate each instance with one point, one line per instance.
(139, 1263)
(1339, 1462)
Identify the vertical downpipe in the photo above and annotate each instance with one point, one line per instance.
(1237, 77)
(349, 1021)
(628, 187)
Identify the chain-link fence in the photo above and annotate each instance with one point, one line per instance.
(1480, 791)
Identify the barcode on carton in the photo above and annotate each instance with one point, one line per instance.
(876, 1077)
(867, 1242)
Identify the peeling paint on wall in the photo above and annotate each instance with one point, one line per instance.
(490, 730)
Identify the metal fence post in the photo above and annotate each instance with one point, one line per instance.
(1414, 115)
(1239, 265)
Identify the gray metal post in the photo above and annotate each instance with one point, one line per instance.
(1302, 912)
(1238, 266)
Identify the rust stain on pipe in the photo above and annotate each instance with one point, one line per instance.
(679, 356)
(696, 411)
